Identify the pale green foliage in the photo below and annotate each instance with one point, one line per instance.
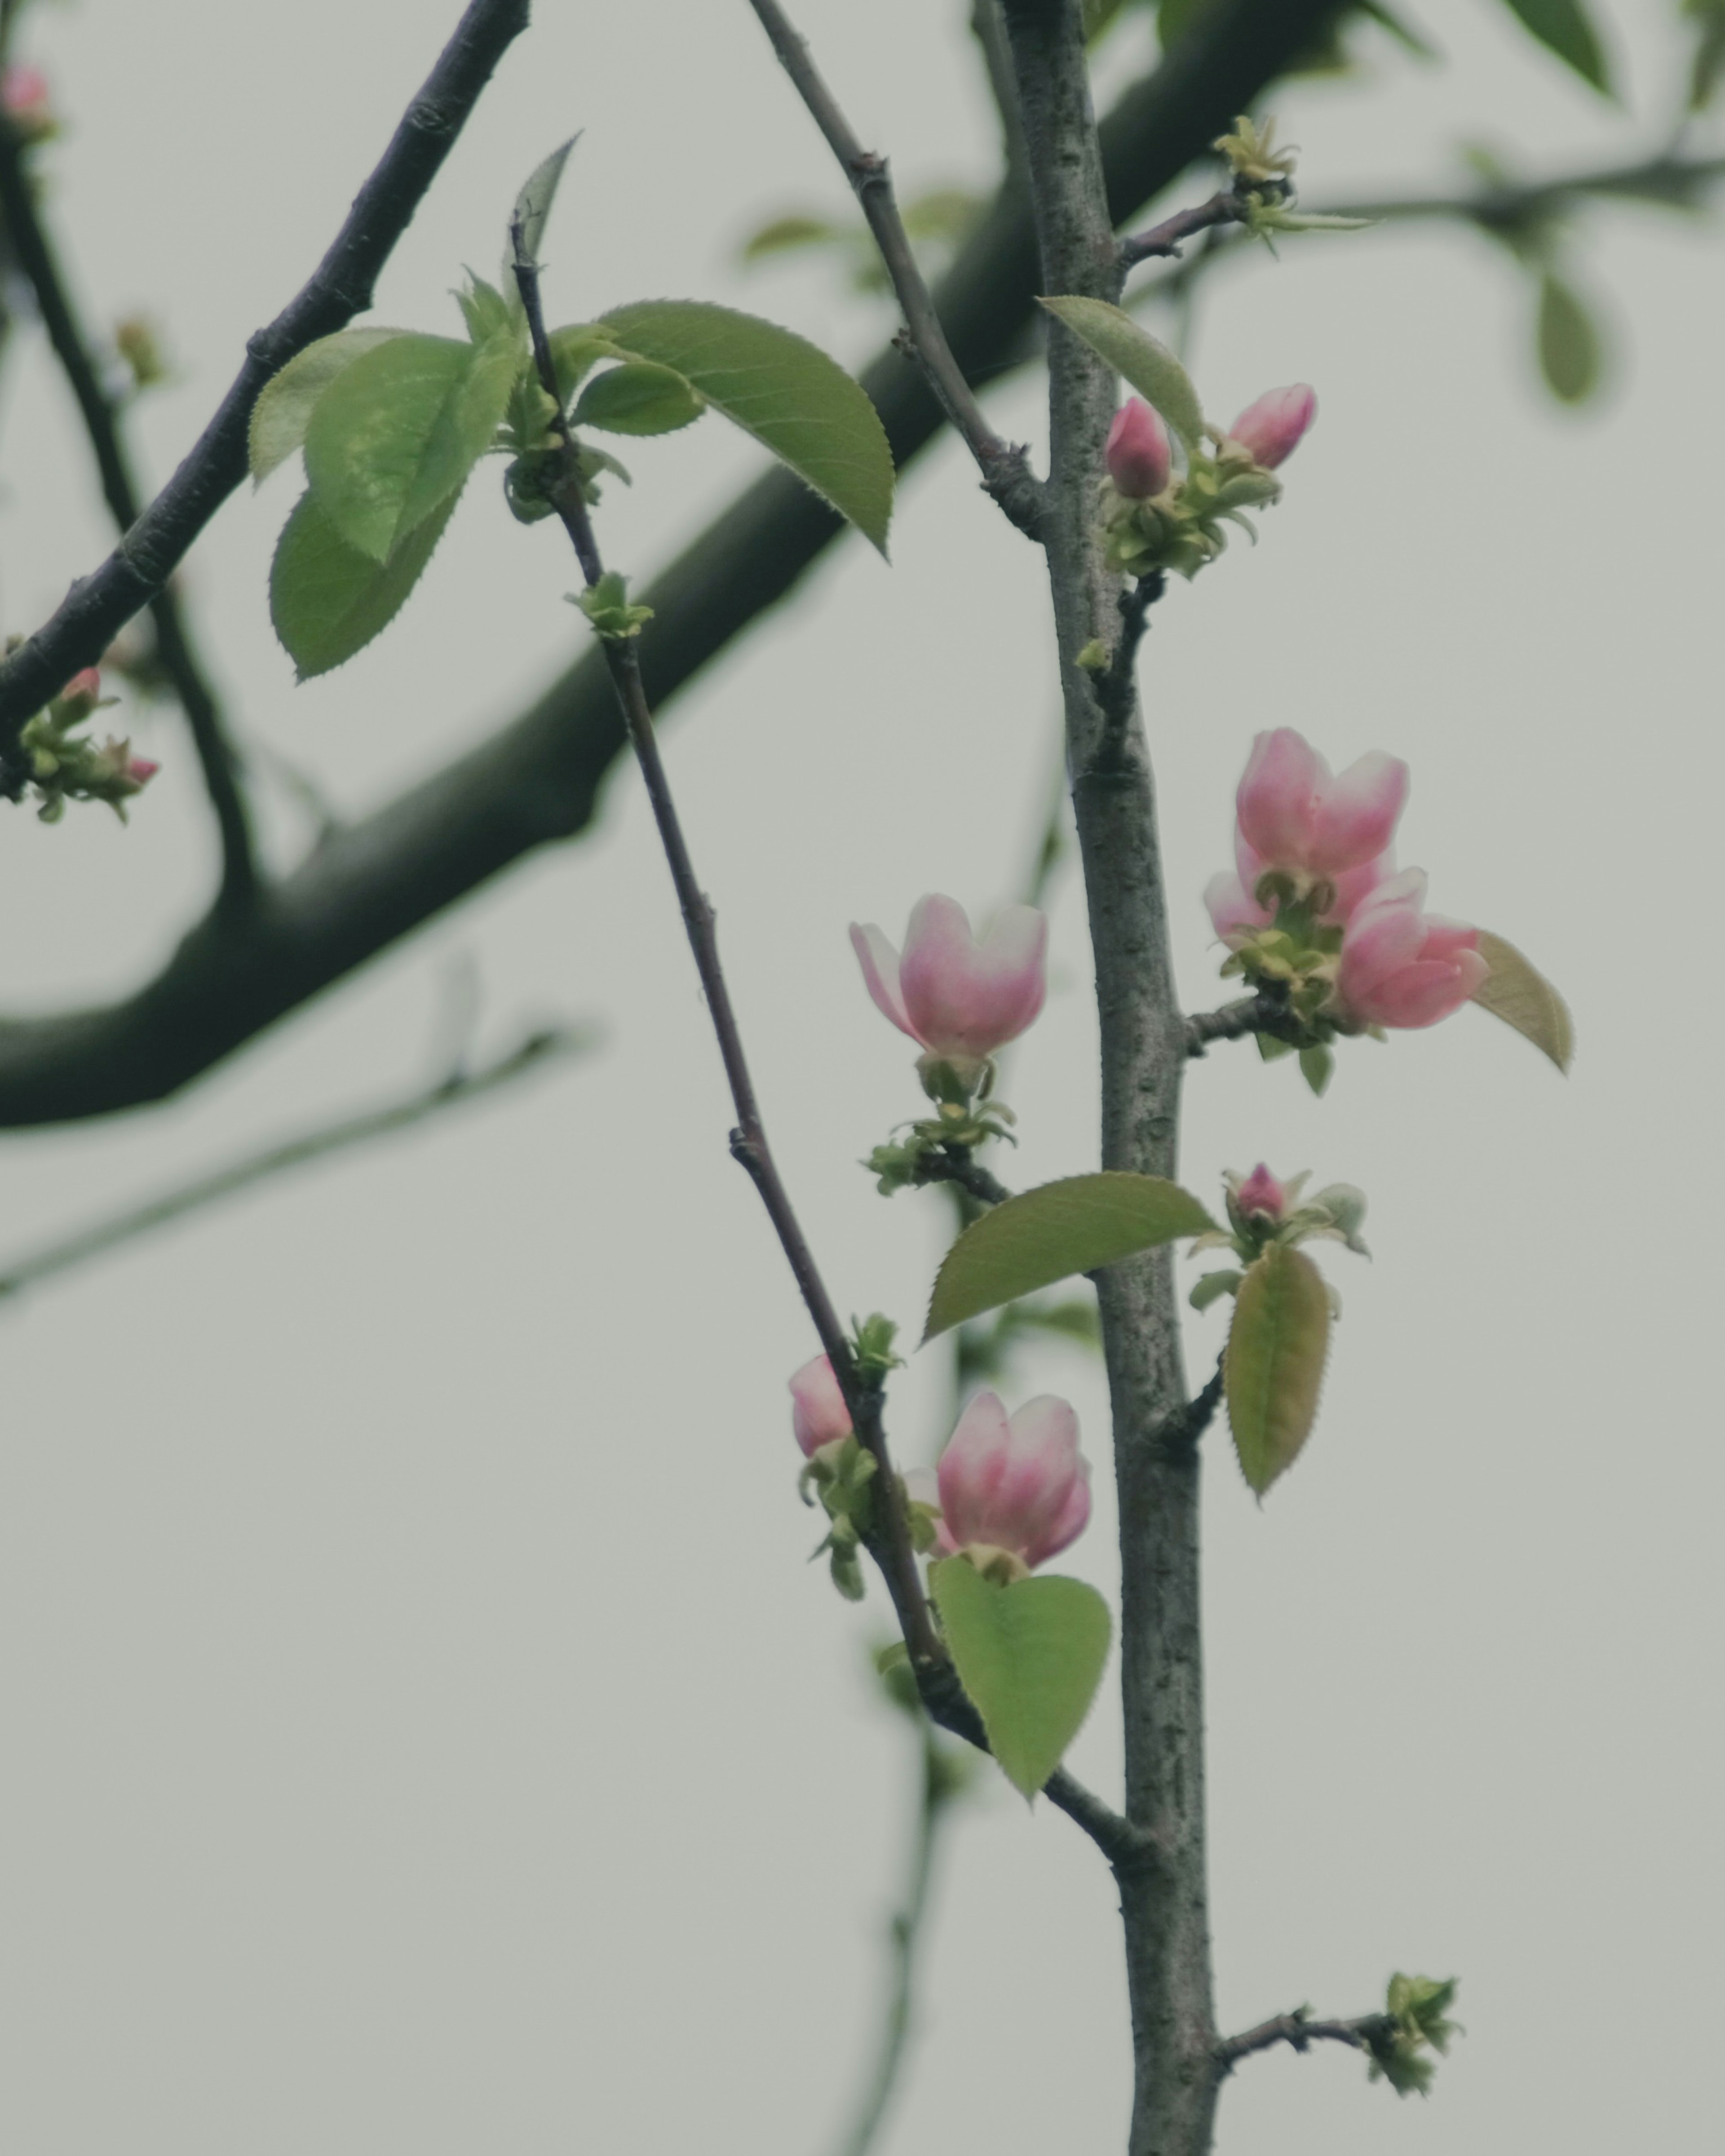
(1031, 1655)
(1416, 2021)
(639, 398)
(778, 388)
(532, 205)
(282, 414)
(1147, 365)
(1519, 995)
(327, 599)
(1275, 1362)
(1071, 1226)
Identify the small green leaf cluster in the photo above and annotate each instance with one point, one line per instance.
(966, 1115)
(391, 424)
(841, 1475)
(606, 606)
(1416, 2021)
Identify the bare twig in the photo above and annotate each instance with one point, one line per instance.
(1265, 1011)
(1167, 238)
(1005, 470)
(749, 1140)
(1299, 2030)
(99, 605)
(537, 1051)
(990, 34)
(27, 238)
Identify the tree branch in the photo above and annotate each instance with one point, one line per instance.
(1167, 237)
(99, 606)
(1005, 471)
(538, 1050)
(28, 238)
(1265, 1011)
(538, 780)
(1301, 2033)
(957, 1165)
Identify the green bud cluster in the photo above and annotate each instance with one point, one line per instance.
(66, 766)
(1416, 2020)
(1181, 529)
(1333, 1214)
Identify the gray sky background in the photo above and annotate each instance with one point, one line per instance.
(423, 1730)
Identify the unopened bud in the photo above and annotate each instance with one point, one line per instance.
(1270, 430)
(1139, 460)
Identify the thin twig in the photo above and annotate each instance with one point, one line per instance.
(1166, 239)
(99, 606)
(540, 1048)
(1301, 2033)
(1005, 470)
(938, 1790)
(990, 34)
(1265, 1011)
(28, 238)
(1181, 1431)
(748, 1140)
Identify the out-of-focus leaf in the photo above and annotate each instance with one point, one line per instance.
(1570, 354)
(1565, 28)
(785, 233)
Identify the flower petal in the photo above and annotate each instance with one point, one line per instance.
(880, 973)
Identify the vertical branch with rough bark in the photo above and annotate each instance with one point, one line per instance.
(1163, 1898)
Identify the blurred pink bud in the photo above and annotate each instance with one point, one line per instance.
(1138, 457)
(80, 696)
(140, 770)
(1016, 1483)
(1260, 1192)
(1295, 814)
(819, 1414)
(27, 102)
(1270, 430)
(960, 998)
(1403, 967)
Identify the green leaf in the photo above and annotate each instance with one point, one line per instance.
(1072, 1226)
(532, 205)
(639, 398)
(785, 233)
(1149, 368)
(326, 599)
(1570, 352)
(1275, 1362)
(283, 412)
(1565, 26)
(486, 311)
(1031, 1655)
(778, 388)
(1520, 995)
(1317, 1062)
(398, 432)
(1213, 1287)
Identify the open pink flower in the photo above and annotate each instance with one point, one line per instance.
(1401, 967)
(1269, 429)
(819, 1414)
(960, 998)
(1138, 457)
(1295, 814)
(1016, 1483)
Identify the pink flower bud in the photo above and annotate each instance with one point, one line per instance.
(960, 998)
(1017, 1484)
(1138, 457)
(1269, 431)
(1295, 814)
(140, 770)
(819, 1414)
(1260, 1192)
(1400, 966)
(27, 103)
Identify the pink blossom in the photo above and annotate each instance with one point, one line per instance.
(1138, 457)
(1270, 430)
(1401, 967)
(819, 1414)
(960, 998)
(1260, 1192)
(1295, 814)
(1018, 1483)
(28, 101)
(141, 770)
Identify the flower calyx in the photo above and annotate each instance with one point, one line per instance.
(66, 765)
